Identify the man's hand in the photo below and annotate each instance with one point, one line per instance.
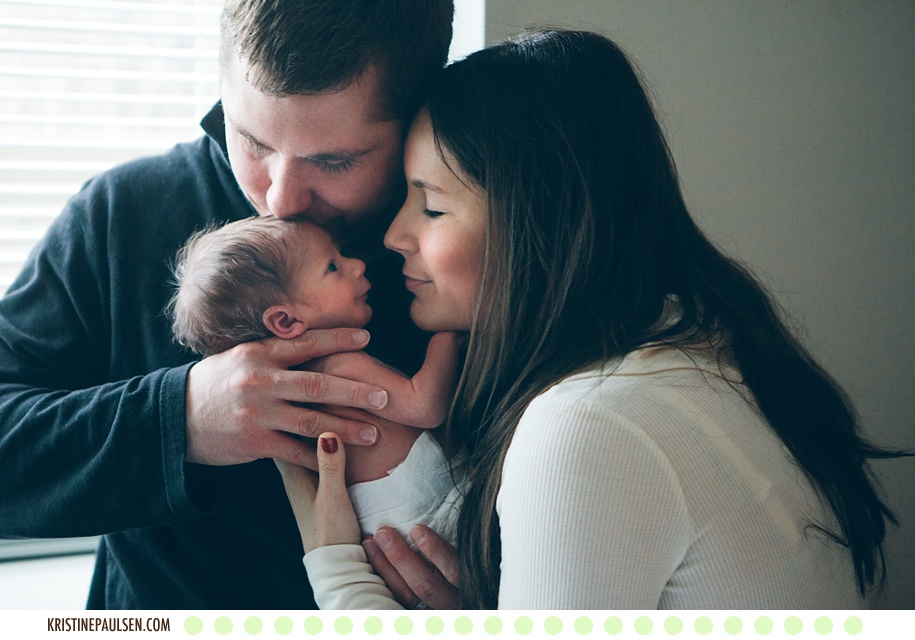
(411, 578)
(239, 403)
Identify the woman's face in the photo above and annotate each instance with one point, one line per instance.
(440, 231)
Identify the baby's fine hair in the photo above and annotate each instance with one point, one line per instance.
(226, 277)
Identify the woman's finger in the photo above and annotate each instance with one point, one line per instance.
(336, 521)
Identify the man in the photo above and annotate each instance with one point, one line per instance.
(106, 425)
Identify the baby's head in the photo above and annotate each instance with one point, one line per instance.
(263, 276)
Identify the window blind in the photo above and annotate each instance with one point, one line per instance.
(86, 84)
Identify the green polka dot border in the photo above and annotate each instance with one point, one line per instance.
(566, 624)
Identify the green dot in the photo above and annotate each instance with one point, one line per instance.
(613, 625)
(524, 625)
(373, 625)
(583, 625)
(642, 625)
(703, 625)
(194, 625)
(403, 625)
(313, 625)
(492, 625)
(793, 625)
(223, 625)
(673, 625)
(733, 625)
(343, 625)
(763, 625)
(552, 625)
(435, 625)
(283, 625)
(822, 625)
(854, 625)
(463, 625)
(254, 625)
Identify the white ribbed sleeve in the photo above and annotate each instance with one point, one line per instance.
(657, 485)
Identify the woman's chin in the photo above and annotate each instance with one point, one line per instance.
(434, 322)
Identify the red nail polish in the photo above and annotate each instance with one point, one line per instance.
(329, 445)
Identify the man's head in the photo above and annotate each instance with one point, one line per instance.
(317, 94)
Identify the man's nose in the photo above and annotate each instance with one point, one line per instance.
(289, 193)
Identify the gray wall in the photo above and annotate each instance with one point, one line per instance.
(793, 127)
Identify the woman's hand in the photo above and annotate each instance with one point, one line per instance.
(320, 502)
(412, 579)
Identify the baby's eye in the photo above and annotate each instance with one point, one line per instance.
(332, 267)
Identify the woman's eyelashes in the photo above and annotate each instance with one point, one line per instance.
(431, 213)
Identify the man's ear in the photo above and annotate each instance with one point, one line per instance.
(283, 322)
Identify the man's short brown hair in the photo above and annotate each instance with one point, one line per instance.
(312, 46)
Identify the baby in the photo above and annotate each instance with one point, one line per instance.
(265, 276)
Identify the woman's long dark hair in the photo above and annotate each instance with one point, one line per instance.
(588, 235)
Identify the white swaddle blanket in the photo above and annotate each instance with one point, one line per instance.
(423, 489)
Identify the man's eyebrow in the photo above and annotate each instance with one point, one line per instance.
(419, 184)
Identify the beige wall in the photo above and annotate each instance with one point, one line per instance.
(793, 126)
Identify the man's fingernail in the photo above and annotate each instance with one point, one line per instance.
(418, 535)
(361, 337)
(369, 435)
(329, 445)
(383, 538)
(378, 399)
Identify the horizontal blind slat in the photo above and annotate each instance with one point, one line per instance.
(208, 9)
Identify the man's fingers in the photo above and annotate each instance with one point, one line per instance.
(291, 450)
(438, 551)
(315, 344)
(422, 578)
(320, 388)
(311, 422)
(383, 567)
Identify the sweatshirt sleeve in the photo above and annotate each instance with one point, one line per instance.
(342, 578)
(592, 515)
(91, 429)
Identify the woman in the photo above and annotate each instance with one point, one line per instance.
(643, 430)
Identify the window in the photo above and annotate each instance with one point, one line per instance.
(86, 85)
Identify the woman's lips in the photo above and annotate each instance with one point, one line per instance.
(413, 283)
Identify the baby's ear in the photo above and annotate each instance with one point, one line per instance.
(283, 322)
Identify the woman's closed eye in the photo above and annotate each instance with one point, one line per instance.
(431, 213)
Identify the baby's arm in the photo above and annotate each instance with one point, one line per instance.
(421, 401)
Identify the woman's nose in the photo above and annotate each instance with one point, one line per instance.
(396, 238)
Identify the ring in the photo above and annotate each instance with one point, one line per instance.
(420, 605)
